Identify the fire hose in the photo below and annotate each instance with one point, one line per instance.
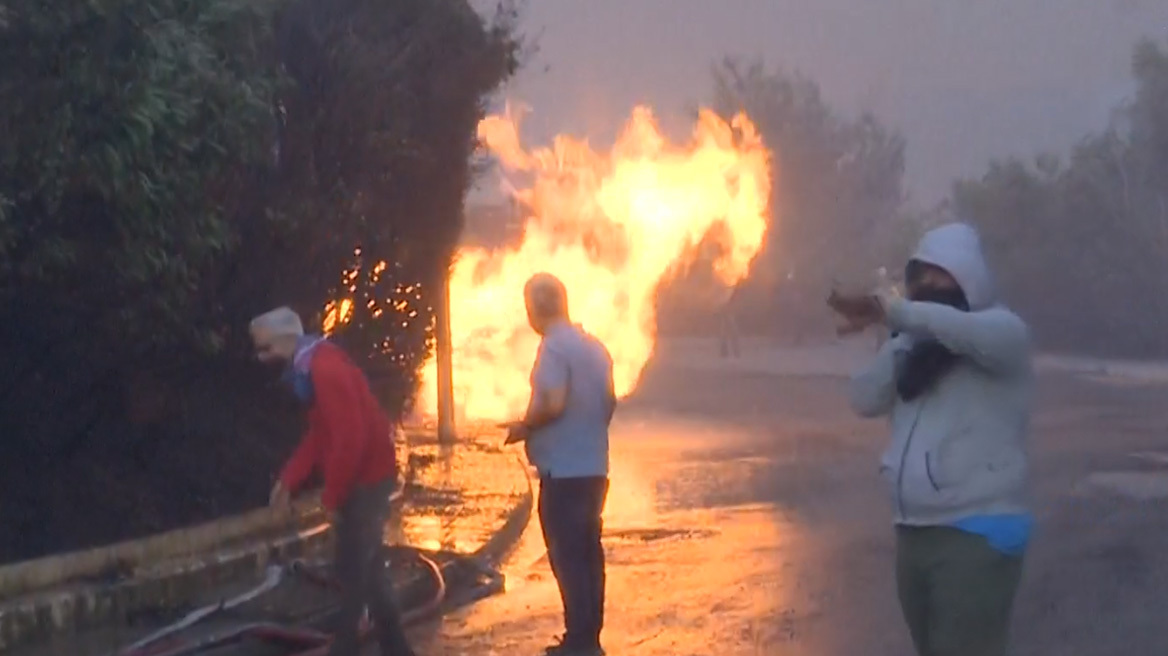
(492, 583)
(275, 575)
(306, 641)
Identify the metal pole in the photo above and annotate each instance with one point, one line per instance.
(446, 432)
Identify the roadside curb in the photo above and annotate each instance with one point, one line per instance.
(81, 605)
(131, 557)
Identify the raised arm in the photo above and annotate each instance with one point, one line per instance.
(996, 339)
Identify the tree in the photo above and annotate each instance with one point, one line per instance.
(171, 168)
(126, 141)
(837, 195)
(1082, 248)
(379, 132)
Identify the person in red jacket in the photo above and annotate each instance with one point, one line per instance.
(350, 441)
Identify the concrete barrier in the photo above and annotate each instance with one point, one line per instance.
(163, 571)
(125, 559)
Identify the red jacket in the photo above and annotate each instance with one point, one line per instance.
(348, 437)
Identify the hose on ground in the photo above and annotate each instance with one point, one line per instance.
(409, 617)
(267, 632)
(490, 582)
(273, 578)
(308, 642)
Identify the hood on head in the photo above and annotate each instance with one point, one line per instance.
(956, 248)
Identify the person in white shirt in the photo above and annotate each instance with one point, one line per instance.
(565, 432)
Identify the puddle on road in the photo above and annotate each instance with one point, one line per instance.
(684, 573)
(459, 495)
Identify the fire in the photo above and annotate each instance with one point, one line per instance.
(612, 226)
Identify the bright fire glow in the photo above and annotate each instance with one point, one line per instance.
(612, 226)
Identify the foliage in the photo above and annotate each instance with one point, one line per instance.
(171, 168)
(127, 138)
(837, 192)
(1081, 246)
(378, 134)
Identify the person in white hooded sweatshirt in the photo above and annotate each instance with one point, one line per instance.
(955, 380)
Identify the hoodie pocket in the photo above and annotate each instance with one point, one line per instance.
(929, 472)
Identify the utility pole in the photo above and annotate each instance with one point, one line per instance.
(446, 432)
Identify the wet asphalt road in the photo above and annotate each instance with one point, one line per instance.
(746, 517)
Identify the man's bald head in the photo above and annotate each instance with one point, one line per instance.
(546, 299)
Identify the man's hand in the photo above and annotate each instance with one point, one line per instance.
(517, 431)
(280, 498)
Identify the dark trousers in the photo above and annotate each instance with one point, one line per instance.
(361, 572)
(569, 512)
(956, 591)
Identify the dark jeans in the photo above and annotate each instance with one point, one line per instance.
(956, 591)
(569, 511)
(360, 569)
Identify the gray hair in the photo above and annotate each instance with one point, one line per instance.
(546, 295)
(281, 322)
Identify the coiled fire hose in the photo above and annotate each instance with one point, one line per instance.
(303, 641)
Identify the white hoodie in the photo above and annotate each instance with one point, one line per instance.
(959, 449)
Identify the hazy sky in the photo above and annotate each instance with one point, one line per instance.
(964, 80)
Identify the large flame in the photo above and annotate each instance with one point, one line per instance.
(612, 226)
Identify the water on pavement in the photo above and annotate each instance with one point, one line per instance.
(746, 517)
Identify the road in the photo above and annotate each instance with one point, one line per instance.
(746, 517)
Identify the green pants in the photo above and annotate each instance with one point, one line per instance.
(956, 591)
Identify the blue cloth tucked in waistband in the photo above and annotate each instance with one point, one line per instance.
(1009, 534)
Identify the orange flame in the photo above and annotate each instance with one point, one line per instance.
(612, 226)
(336, 314)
